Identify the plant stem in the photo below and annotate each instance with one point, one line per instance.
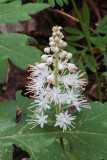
(56, 85)
(89, 45)
(65, 107)
(56, 79)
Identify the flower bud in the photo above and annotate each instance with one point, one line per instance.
(69, 55)
(51, 39)
(59, 27)
(56, 49)
(58, 32)
(60, 67)
(47, 50)
(44, 57)
(41, 66)
(72, 67)
(61, 55)
(52, 43)
(49, 60)
(64, 53)
(64, 44)
(56, 38)
(50, 78)
(61, 41)
(54, 34)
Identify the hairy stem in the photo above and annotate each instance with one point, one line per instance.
(89, 45)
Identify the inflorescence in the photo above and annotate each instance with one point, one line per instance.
(55, 81)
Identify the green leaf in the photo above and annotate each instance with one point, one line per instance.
(39, 143)
(86, 17)
(77, 34)
(90, 131)
(99, 42)
(15, 11)
(82, 68)
(59, 2)
(105, 57)
(1, 1)
(75, 38)
(102, 27)
(88, 138)
(14, 46)
(73, 31)
(66, 2)
(71, 49)
(90, 62)
(105, 74)
(52, 3)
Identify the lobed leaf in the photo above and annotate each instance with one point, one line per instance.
(15, 11)
(14, 46)
(88, 138)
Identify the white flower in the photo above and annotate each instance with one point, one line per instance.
(64, 120)
(47, 50)
(73, 80)
(71, 96)
(41, 103)
(44, 57)
(38, 119)
(54, 94)
(80, 102)
(53, 81)
(38, 78)
(74, 98)
(41, 119)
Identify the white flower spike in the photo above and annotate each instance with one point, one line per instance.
(55, 81)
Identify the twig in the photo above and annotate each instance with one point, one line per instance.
(63, 14)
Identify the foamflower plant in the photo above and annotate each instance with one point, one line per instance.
(55, 81)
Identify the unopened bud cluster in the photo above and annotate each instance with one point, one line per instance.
(55, 81)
